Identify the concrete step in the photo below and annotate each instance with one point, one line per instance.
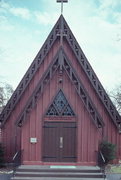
(51, 178)
(57, 167)
(58, 173)
(60, 170)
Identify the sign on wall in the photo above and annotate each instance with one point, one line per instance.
(33, 140)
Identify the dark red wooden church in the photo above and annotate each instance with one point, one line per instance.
(59, 112)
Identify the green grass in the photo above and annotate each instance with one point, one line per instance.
(115, 169)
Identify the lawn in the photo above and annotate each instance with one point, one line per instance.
(116, 169)
(113, 169)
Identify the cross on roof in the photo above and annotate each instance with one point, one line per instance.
(61, 33)
(62, 1)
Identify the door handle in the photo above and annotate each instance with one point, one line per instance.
(61, 142)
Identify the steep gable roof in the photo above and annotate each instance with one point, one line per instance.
(61, 27)
(57, 64)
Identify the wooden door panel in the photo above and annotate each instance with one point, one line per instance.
(68, 153)
(50, 149)
(59, 142)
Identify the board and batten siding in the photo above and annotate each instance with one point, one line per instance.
(87, 145)
(88, 135)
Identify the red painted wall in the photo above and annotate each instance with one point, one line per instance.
(88, 136)
(86, 131)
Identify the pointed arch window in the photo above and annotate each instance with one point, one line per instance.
(60, 106)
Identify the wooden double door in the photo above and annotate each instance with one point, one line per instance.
(59, 142)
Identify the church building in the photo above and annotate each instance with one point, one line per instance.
(60, 112)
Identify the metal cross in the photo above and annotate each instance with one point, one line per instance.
(62, 1)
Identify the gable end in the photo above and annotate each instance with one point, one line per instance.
(62, 26)
(91, 75)
(90, 107)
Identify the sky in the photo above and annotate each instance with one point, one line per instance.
(25, 25)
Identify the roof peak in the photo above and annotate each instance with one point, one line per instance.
(61, 32)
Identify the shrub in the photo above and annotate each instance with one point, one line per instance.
(107, 152)
(2, 161)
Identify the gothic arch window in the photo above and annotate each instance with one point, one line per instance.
(60, 106)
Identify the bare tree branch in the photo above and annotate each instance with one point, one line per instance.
(6, 91)
(116, 97)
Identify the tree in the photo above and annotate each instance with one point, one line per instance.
(116, 98)
(6, 90)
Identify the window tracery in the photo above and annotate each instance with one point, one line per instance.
(60, 106)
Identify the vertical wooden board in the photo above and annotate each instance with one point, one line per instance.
(7, 143)
(109, 127)
(108, 130)
(81, 115)
(112, 134)
(80, 112)
(18, 139)
(51, 142)
(25, 140)
(32, 135)
(89, 141)
(11, 141)
(68, 134)
(9, 138)
(85, 135)
(39, 124)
